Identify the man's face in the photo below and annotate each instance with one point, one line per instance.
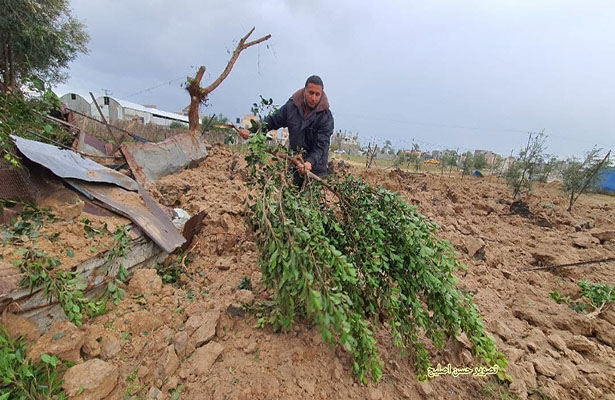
(312, 94)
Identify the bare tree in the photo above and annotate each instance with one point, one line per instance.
(371, 153)
(199, 95)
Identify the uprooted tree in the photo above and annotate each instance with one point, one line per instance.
(198, 95)
(354, 259)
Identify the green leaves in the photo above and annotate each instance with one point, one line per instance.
(593, 296)
(22, 378)
(348, 265)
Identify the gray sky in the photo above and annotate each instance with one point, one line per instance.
(446, 74)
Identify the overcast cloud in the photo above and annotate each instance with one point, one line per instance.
(446, 74)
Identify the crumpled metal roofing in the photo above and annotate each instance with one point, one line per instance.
(69, 164)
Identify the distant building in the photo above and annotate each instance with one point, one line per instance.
(346, 141)
(121, 110)
(76, 102)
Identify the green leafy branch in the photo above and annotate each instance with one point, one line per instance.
(356, 262)
(24, 378)
(66, 286)
(593, 299)
(27, 224)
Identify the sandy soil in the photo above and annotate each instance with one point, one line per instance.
(553, 351)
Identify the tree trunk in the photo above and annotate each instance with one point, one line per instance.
(11, 67)
(196, 98)
(198, 95)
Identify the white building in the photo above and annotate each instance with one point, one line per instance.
(121, 110)
(77, 102)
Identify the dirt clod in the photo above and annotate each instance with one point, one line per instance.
(94, 379)
(63, 340)
(145, 282)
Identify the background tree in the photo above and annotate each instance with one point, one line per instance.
(578, 176)
(451, 160)
(467, 164)
(387, 148)
(38, 39)
(546, 168)
(402, 157)
(480, 161)
(198, 95)
(415, 160)
(520, 173)
(213, 122)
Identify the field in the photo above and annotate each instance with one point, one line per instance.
(553, 351)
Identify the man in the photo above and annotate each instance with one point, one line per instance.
(310, 125)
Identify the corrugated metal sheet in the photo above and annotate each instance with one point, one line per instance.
(151, 161)
(136, 207)
(68, 164)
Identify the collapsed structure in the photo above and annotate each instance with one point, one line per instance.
(75, 185)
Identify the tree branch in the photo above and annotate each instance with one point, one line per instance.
(242, 45)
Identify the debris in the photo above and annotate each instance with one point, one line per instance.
(581, 240)
(129, 204)
(580, 344)
(521, 208)
(245, 297)
(110, 345)
(152, 161)
(192, 227)
(64, 203)
(69, 164)
(33, 304)
(475, 247)
(93, 338)
(90, 144)
(545, 366)
(544, 257)
(10, 276)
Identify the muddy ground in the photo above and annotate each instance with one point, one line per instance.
(193, 336)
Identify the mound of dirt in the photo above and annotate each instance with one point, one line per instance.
(194, 334)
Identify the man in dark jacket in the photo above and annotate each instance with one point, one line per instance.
(310, 125)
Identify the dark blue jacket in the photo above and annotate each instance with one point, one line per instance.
(309, 134)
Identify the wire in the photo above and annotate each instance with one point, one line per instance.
(192, 67)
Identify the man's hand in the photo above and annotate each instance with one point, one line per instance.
(244, 133)
(304, 168)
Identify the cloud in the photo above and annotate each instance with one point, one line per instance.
(476, 74)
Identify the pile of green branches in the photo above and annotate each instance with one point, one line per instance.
(351, 257)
